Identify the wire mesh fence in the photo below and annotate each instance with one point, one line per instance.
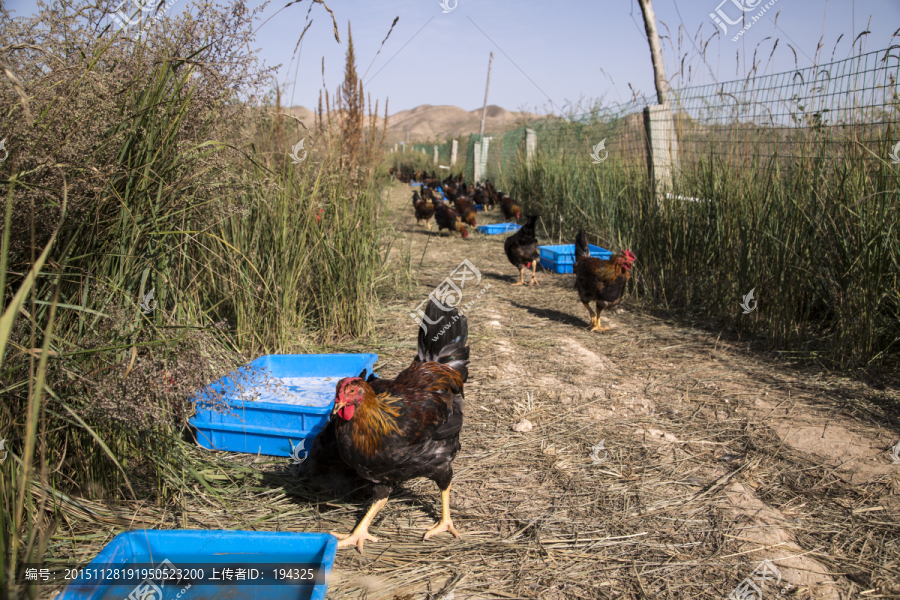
(810, 113)
(565, 139)
(444, 154)
(817, 112)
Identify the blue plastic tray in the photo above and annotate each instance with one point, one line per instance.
(495, 228)
(194, 549)
(561, 258)
(479, 207)
(269, 425)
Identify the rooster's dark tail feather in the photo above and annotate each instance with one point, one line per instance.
(530, 226)
(443, 336)
(582, 249)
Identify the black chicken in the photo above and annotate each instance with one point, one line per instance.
(522, 250)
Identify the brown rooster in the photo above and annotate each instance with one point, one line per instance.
(510, 209)
(451, 194)
(466, 210)
(424, 210)
(448, 218)
(600, 281)
(429, 194)
(393, 431)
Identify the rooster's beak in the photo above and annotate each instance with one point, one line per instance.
(338, 405)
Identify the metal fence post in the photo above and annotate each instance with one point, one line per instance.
(477, 175)
(435, 155)
(454, 148)
(530, 146)
(663, 155)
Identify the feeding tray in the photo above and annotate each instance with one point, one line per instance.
(274, 402)
(561, 258)
(497, 228)
(147, 564)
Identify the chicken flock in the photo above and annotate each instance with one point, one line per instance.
(383, 432)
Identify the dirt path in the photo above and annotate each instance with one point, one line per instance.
(713, 460)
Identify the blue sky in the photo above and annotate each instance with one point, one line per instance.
(545, 51)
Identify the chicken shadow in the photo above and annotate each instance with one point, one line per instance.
(305, 491)
(545, 278)
(499, 277)
(553, 315)
(445, 235)
(756, 348)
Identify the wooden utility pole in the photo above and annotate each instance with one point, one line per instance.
(659, 68)
(486, 87)
(661, 134)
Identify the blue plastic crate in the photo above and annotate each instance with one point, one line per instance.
(561, 258)
(196, 549)
(272, 424)
(479, 207)
(496, 228)
(415, 184)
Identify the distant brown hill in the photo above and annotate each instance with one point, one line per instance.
(427, 122)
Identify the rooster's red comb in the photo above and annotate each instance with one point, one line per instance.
(345, 382)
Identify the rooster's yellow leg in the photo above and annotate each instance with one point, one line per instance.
(595, 319)
(445, 524)
(599, 327)
(534, 280)
(521, 277)
(361, 533)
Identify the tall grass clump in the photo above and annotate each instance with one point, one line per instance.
(156, 235)
(302, 259)
(814, 234)
(412, 161)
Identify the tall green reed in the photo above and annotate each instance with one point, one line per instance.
(304, 259)
(816, 238)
